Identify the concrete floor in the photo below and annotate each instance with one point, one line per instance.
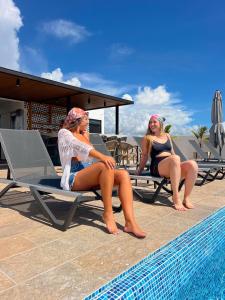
(39, 262)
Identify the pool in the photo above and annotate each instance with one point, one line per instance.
(190, 267)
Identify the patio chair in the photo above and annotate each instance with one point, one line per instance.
(207, 172)
(111, 138)
(127, 153)
(31, 166)
(112, 147)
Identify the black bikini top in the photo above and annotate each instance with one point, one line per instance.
(158, 148)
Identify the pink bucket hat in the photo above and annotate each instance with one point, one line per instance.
(73, 115)
(157, 117)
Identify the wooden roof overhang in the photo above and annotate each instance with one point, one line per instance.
(20, 86)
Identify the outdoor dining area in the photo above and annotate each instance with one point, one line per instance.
(125, 150)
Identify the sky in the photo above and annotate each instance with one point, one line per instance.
(167, 56)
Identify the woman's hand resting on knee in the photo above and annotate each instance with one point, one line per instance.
(108, 161)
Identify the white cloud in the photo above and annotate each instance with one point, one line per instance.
(57, 75)
(74, 81)
(66, 29)
(134, 118)
(127, 97)
(149, 96)
(10, 23)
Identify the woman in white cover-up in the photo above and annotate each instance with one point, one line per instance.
(80, 173)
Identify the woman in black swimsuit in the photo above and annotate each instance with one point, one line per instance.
(165, 163)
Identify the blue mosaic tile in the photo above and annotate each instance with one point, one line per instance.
(166, 271)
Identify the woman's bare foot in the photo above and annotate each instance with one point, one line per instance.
(178, 204)
(110, 223)
(134, 229)
(187, 203)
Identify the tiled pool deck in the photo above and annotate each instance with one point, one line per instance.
(39, 262)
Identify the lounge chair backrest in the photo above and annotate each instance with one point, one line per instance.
(198, 149)
(26, 154)
(138, 140)
(96, 139)
(213, 150)
(98, 143)
(178, 151)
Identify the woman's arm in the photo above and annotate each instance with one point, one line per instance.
(146, 149)
(108, 160)
(69, 145)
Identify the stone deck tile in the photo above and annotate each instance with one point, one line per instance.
(45, 263)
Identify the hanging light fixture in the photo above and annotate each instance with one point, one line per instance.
(18, 82)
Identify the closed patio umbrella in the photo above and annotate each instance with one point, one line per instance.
(217, 130)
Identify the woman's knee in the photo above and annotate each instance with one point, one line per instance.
(175, 159)
(122, 175)
(103, 168)
(193, 165)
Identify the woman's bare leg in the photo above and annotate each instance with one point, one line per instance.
(170, 168)
(122, 179)
(95, 175)
(189, 171)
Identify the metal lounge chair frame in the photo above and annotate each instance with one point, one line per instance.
(31, 166)
(216, 156)
(160, 183)
(208, 163)
(206, 172)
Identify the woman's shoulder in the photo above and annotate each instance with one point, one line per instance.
(148, 138)
(63, 131)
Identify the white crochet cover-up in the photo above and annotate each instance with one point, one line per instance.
(69, 146)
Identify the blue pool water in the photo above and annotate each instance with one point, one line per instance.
(208, 282)
(190, 267)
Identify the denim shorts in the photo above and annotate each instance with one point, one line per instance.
(75, 168)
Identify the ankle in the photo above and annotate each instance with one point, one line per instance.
(176, 197)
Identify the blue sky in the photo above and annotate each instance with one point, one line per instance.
(168, 56)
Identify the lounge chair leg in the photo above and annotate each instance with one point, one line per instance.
(117, 209)
(8, 173)
(158, 190)
(46, 211)
(8, 187)
(152, 200)
(98, 196)
(72, 212)
(204, 178)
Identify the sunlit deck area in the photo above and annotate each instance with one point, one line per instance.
(40, 262)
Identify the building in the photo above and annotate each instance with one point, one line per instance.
(32, 102)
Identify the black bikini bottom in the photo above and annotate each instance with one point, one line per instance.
(154, 165)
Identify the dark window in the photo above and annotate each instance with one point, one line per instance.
(95, 126)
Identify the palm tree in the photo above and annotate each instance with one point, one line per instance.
(200, 134)
(167, 128)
